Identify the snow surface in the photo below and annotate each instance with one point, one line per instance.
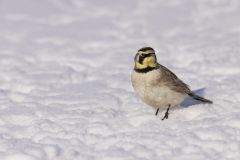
(65, 91)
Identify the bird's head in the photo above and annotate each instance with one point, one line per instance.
(145, 59)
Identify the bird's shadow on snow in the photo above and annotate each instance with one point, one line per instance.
(190, 101)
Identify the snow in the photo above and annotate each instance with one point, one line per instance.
(65, 90)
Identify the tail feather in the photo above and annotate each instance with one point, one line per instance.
(194, 96)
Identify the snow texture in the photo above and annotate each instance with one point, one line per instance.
(65, 91)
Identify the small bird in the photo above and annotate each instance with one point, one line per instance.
(156, 85)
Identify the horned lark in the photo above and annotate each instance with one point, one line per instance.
(156, 85)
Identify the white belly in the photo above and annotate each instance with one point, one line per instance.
(157, 95)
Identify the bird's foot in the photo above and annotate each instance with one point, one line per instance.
(157, 112)
(166, 113)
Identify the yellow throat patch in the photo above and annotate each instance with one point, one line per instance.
(147, 62)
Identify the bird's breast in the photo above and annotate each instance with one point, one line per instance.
(143, 83)
(153, 91)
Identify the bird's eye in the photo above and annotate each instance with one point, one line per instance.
(141, 58)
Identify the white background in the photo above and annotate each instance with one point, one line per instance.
(65, 91)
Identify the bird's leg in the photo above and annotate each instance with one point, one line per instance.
(166, 113)
(157, 112)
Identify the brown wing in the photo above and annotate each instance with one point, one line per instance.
(172, 81)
